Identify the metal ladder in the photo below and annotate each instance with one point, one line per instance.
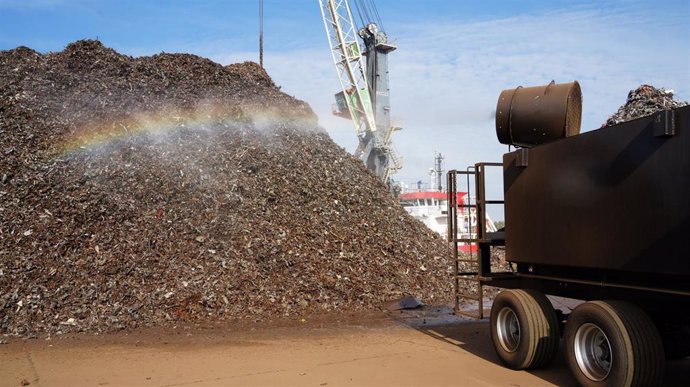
(470, 272)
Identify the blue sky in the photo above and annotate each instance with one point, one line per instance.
(454, 57)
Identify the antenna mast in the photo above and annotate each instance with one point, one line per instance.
(438, 169)
(261, 33)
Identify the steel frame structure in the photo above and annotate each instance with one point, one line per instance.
(375, 147)
(348, 61)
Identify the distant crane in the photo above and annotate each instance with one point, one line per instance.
(365, 95)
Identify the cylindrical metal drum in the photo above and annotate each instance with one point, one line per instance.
(529, 116)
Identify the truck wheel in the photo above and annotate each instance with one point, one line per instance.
(613, 343)
(524, 329)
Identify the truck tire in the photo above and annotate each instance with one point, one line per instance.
(613, 343)
(524, 329)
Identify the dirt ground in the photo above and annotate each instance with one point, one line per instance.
(425, 347)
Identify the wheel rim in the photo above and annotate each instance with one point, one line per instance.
(593, 352)
(508, 328)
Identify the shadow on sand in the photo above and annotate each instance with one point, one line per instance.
(473, 336)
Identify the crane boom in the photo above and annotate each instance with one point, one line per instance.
(347, 57)
(365, 96)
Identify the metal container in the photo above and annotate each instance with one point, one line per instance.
(614, 199)
(529, 116)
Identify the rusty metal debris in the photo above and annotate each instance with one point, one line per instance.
(153, 190)
(644, 101)
(407, 302)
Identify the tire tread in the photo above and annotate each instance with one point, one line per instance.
(645, 351)
(541, 322)
(646, 341)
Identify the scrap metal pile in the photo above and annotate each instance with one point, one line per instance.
(153, 190)
(644, 101)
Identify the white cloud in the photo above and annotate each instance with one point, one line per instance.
(446, 77)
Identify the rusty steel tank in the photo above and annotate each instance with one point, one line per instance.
(530, 116)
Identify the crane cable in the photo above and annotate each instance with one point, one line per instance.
(359, 13)
(378, 17)
(368, 13)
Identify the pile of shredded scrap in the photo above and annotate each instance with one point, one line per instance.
(156, 190)
(644, 101)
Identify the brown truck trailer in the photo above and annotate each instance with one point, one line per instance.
(602, 217)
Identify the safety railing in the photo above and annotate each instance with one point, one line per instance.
(470, 241)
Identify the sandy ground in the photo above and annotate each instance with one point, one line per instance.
(411, 348)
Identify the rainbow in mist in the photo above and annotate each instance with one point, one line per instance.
(166, 121)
